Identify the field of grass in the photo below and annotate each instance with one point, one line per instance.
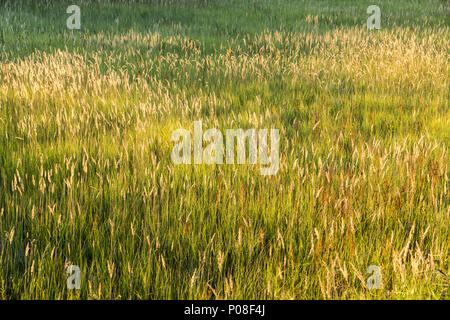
(86, 176)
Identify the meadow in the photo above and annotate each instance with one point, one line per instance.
(86, 177)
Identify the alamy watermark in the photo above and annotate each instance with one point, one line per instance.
(374, 281)
(374, 21)
(214, 152)
(74, 20)
(74, 279)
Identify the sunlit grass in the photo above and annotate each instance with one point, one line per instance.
(86, 176)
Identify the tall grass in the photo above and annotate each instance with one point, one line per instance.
(86, 176)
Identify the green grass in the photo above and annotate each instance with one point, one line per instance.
(86, 177)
